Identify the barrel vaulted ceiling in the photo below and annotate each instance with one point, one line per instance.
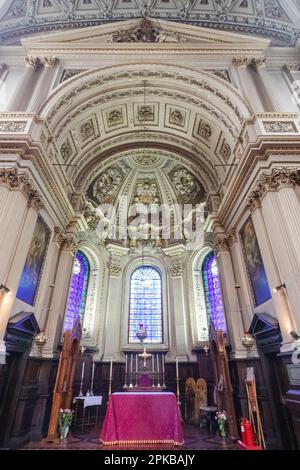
(276, 19)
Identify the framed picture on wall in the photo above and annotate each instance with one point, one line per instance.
(34, 263)
(254, 264)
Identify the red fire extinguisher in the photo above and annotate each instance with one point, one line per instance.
(247, 433)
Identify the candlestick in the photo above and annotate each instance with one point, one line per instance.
(126, 372)
(81, 382)
(153, 374)
(177, 373)
(163, 371)
(158, 377)
(110, 377)
(92, 381)
(136, 370)
(131, 358)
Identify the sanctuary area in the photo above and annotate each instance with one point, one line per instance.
(150, 224)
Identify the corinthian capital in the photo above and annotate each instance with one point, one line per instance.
(240, 61)
(221, 243)
(50, 61)
(32, 62)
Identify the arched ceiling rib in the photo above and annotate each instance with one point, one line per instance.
(277, 19)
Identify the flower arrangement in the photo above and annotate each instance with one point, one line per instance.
(65, 421)
(221, 417)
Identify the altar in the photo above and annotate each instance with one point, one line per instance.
(142, 418)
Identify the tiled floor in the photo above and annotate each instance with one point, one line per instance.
(194, 439)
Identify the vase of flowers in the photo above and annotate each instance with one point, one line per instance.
(65, 421)
(221, 417)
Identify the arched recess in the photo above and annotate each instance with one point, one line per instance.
(124, 319)
(198, 297)
(205, 133)
(94, 293)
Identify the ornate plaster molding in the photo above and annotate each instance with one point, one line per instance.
(15, 179)
(272, 182)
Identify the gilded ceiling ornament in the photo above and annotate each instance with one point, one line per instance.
(204, 130)
(106, 186)
(177, 117)
(189, 190)
(146, 193)
(87, 130)
(66, 150)
(146, 113)
(146, 160)
(115, 117)
(225, 151)
(144, 32)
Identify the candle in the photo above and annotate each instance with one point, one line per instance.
(157, 359)
(126, 365)
(82, 371)
(110, 371)
(93, 372)
(131, 355)
(163, 364)
(136, 362)
(152, 362)
(177, 373)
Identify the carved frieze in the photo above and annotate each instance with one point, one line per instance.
(282, 127)
(12, 126)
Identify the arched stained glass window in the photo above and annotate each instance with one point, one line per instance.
(145, 305)
(213, 293)
(78, 290)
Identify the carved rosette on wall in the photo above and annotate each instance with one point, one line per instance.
(105, 187)
(187, 187)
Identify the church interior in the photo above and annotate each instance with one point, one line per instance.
(150, 224)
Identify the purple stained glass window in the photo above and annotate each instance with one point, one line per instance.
(213, 293)
(78, 290)
(145, 305)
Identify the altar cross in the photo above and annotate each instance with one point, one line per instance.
(145, 356)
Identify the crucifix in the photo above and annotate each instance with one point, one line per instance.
(145, 356)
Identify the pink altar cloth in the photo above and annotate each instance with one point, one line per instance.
(142, 418)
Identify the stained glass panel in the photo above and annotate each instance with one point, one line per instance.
(145, 305)
(78, 290)
(213, 293)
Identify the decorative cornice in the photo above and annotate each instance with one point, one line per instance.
(17, 180)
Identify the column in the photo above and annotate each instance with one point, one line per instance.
(247, 83)
(54, 322)
(230, 298)
(25, 87)
(43, 87)
(179, 311)
(265, 84)
(11, 281)
(280, 303)
(113, 308)
(241, 280)
(280, 204)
